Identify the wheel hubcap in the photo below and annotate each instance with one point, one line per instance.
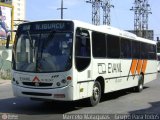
(95, 93)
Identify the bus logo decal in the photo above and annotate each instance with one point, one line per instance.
(144, 66)
(36, 81)
(101, 68)
(138, 66)
(133, 66)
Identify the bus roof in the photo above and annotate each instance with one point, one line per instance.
(113, 31)
(106, 29)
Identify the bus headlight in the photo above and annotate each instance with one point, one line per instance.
(63, 81)
(17, 82)
(58, 84)
(13, 81)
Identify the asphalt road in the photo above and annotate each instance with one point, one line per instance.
(113, 105)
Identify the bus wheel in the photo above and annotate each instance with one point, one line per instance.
(96, 95)
(139, 88)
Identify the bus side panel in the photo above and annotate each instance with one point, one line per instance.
(127, 77)
(123, 76)
(75, 86)
(109, 70)
(151, 71)
(83, 83)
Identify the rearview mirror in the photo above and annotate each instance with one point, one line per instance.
(9, 38)
(8, 41)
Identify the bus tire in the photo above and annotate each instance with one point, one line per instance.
(139, 88)
(96, 95)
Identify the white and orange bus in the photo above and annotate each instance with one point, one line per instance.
(158, 64)
(68, 60)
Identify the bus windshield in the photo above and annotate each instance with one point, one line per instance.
(43, 51)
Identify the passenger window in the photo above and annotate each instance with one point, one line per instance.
(144, 51)
(113, 46)
(99, 44)
(136, 49)
(125, 48)
(151, 52)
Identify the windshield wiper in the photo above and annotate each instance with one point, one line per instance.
(30, 39)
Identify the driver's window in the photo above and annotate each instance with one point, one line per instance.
(82, 49)
(82, 43)
(22, 50)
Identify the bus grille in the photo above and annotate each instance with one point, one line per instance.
(36, 94)
(39, 84)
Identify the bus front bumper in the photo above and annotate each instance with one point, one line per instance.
(61, 94)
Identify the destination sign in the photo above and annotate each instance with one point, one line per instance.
(50, 26)
(47, 26)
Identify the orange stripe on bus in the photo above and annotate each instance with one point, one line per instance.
(144, 66)
(139, 66)
(133, 67)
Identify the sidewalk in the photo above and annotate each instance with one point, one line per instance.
(4, 82)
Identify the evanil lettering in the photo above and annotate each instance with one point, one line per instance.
(50, 26)
(114, 67)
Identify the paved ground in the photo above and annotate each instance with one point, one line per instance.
(3, 82)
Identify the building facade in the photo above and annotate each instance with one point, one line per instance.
(19, 10)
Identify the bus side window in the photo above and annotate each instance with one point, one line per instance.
(144, 50)
(136, 49)
(113, 46)
(99, 44)
(125, 48)
(82, 49)
(82, 44)
(151, 52)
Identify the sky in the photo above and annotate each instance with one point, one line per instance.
(121, 16)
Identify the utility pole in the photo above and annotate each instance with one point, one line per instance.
(96, 4)
(106, 6)
(62, 8)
